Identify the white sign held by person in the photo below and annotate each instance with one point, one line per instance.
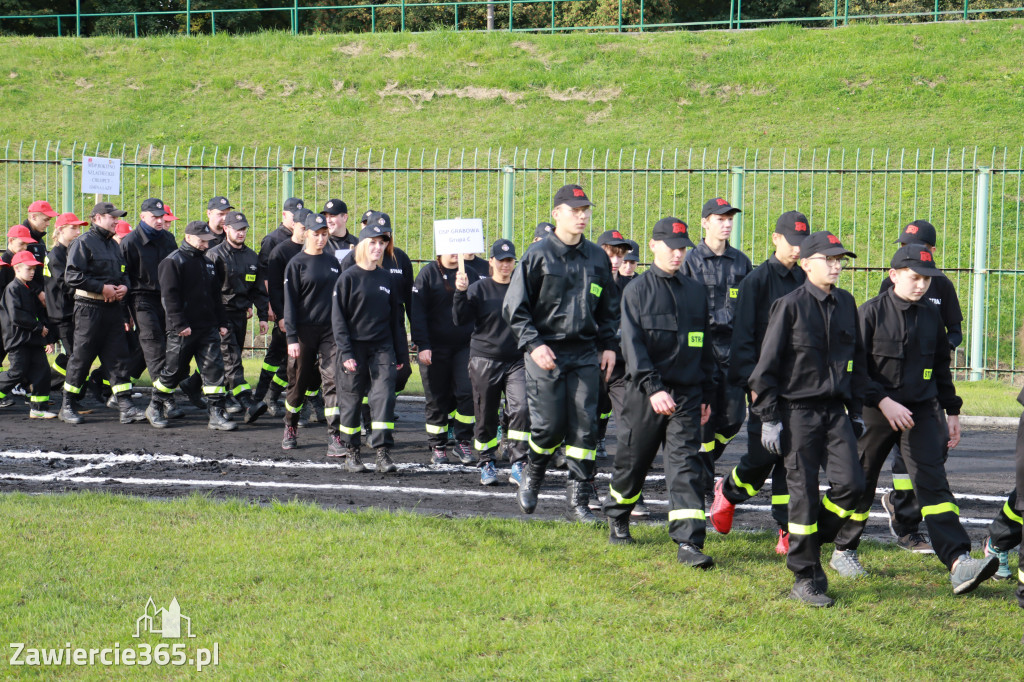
(461, 235)
(101, 176)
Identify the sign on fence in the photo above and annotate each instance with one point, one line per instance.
(100, 175)
(461, 235)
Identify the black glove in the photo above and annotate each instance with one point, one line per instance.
(858, 425)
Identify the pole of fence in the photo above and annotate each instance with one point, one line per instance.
(967, 4)
(835, 13)
(936, 10)
(67, 176)
(984, 178)
(620, 16)
(736, 200)
(78, 18)
(641, 16)
(508, 182)
(188, 17)
(295, 18)
(403, 15)
(287, 183)
(846, 13)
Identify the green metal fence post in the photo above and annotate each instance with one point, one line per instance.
(287, 183)
(508, 178)
(78, 18)
(620, 16)
(295, 18)
(736, 200)
(835, 13)
(188, 17)
(403, 15)
(846, 13)
(967, 5)
(67, 176)
(984, 179)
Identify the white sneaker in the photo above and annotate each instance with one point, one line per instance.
(846, 564)
(41, 414)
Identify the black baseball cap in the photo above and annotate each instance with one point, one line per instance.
(236, 221)
(717, 206)
(378, 219)
(502, 249)
(293, 204)
(612, 238)
(299, 215)
(219, 204)
(335, 207)
(571, 195)
(200, 228)
(154, 206)
(674, 232)
(314, 221)
(375, 230)
(366, 216)
(917, 257)
(107, 208)
(794, 226)
(543, 230)
(918, 232)
(633, 253)
(825, 243)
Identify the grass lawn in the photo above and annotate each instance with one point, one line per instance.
(292, 591)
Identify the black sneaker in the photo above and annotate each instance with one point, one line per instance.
(619, 531)
(438, 456)
(291, 438)
(690, 555)
(464, 452)
(807, 591)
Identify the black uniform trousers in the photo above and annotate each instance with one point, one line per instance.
(905, 504)
(449, 395)
(749, 475)
(563, 408)
(28, 368)
(728, 407)
(204, 346)
(814, 436)
(641, 433)
(63, 331)
(231, 348)
(922, 449)
(374, 379)
(611, 395)
(274, 372)
(1005, 529)
(491, 378)
(99, 331)
(316, 352)
(151, 324)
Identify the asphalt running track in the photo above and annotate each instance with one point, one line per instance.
(49, 457)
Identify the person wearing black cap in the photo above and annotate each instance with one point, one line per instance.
(908, 380)
(670, 376)
(809, 382)
(369, 332)
(217, 210)
(24, 321)
(96, 273)
(340, 241)
(242, 291)
(627, 269)
(444, 349)
(542, 231)
(616, 247)
(495, 364)
(272, 374)
(769, 282)
(720, 268)
(563, 307)
(196, 322)
(900, 503)
(309, 281)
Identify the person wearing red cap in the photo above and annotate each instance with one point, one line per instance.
(40, 213)
(19, 238)
(60, 300)
(23, 318)
(121, 230)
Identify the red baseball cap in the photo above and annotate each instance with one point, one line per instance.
(69, 219)
(25, 257)
(122, 228)
(20, 232)
(168, 214)
(42, 207)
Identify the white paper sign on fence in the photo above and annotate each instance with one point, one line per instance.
(461, 235)
(101, 176)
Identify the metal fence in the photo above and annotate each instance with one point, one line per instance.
(973, 196)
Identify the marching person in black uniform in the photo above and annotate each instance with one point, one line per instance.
(616, 247)
(1004, 533)
(563, 308)
(96, 273)
(196, 323)
(770, 281)
(443, 359)
(495, 364)
(809, 382)
(670, 375)
(340, 241)
(217, 210)
(309, 281)
(40, 213)
(627, 269)
(720, 268)
(901, 503)
(60, 301)
(908, 379)
(242, 291)
(272, 379)
(24, 321)
(369, 333)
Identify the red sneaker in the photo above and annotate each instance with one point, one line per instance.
(722, 509)
(782, 547)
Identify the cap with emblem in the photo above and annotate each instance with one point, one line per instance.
(918, 232)
(107, 208)
(502, 249)
(543, 230)
(299, 215)
(374, 230)
(717, 206)
(634, 251)
(825, 243)
(42, 207)
(20, 232)
(381, 220)
(794, 226)
(219, 204)
(674, 232)
(366, 216)
(292, 204)
(200, 228)
(24, 257)
(314, 221)
(335, 207)
(69, 219)
(571, 195)
(917, 257)
(154, 206)
(236, 221)
(612, 238)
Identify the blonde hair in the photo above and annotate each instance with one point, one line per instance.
(362, 252)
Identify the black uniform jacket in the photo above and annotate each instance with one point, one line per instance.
(60, 301)
(94, 260)
(480, 306)
(399, 267)
(143, 255)
(309, 292)
(907, 353)
(942, 293)
(721, 277)
(279, 259)
(241, 282)
(190, 291)
(21, 316)
(432, 319)
(368, 309)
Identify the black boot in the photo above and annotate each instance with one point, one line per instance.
(171, 409)
(273, 395)
(262, 385)
(252, 409)
(129, 413)
(578, 495)
(316, 408)
(193, 388)
(619, 531)
(67, 412)
(233, 405)
(218, 418)
(155, 412)
(530, 489)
